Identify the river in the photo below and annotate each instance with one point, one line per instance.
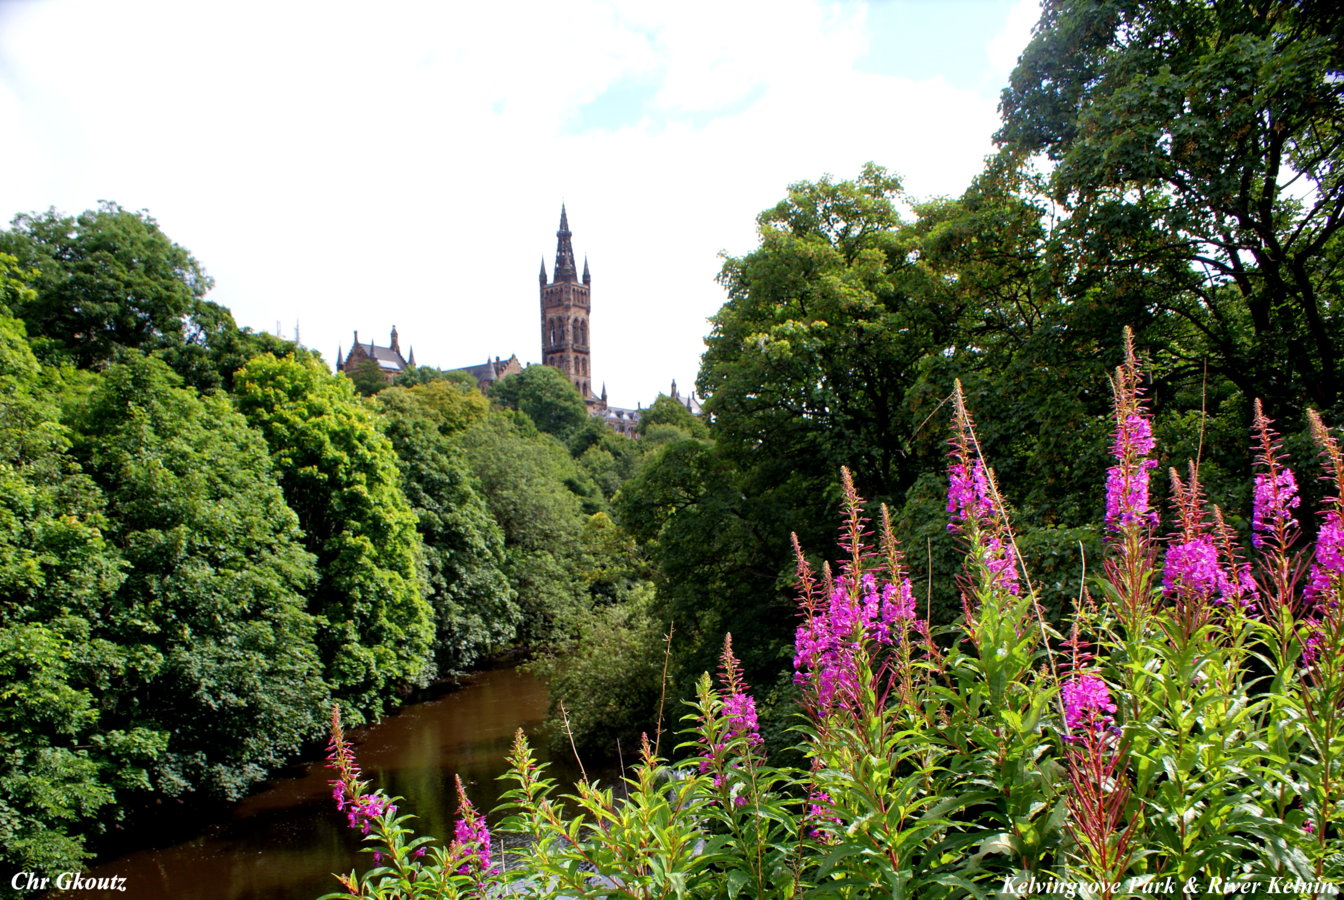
(284, 840)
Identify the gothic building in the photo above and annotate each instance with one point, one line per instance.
(565, 304)
(389, 359)
(490, 371)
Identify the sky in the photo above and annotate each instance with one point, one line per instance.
(340, 167)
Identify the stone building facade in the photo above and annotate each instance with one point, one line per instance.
(490, 371)
(389, 359)
(565, 306)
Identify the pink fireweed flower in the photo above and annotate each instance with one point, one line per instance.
(824, 648)
(1001, 561)
(1239, 587)
(819, 815)
(1127, 505)
(1192, 570)
(967, 494)
(472, 837)
(1275, 495)
(825, 645)
(1195, 572)
(972, 503)
(1202, 566)
(740, 710)
(883, 607)
(1087, 700)
(361, 809)
(739, 707)
(1327, 564)
(364, 810)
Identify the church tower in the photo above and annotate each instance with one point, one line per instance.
(564, 314)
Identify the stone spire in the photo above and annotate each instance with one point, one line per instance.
(587, 279)
(543, 271)
(396, 344)
(564, 252)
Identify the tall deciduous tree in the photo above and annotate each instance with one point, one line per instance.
(1198, 154)
(826, 326)
(60, 765)
(212, 606)
(109, 280)
(339, 474)
(475, 609)
(548, 398)
(529, 483)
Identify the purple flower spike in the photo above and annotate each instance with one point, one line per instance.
(1327, 565)
(472, 837)
(1275, 489)
(1127, 504)
(1087, 700)
(1275, 495)
(1192, 570)
(967, 494)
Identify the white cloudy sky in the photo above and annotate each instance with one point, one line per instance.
(358, 166)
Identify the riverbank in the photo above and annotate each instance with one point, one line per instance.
(284, 841)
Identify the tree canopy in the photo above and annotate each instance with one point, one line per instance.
(106, 281)
(339, 474)
(212, 606)
(548, 398)
(1196, 153)
(475, 609)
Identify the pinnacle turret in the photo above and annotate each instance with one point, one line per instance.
(564, 252)
(587, 279)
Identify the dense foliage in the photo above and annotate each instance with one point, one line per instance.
(205, 536)
(339, 474)
(1181, 736)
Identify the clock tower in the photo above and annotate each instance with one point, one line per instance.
(564, 315)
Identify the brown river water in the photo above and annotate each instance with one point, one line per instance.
(284, 841)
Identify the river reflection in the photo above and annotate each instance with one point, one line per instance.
(284, 841)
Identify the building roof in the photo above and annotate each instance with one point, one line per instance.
(389, 359)
(491, 369)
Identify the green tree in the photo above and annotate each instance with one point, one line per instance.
(414, 375)
(607, 678)
(824, 335)
(339, 474)
(60, 766)
(450, 405)
(109, 280)
(368, 378)
(1197, 158)
(610, 460)
(548, 398)
(212, 606)
(529, 483)
(475, 609)
(666, 411)
(720, 555)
